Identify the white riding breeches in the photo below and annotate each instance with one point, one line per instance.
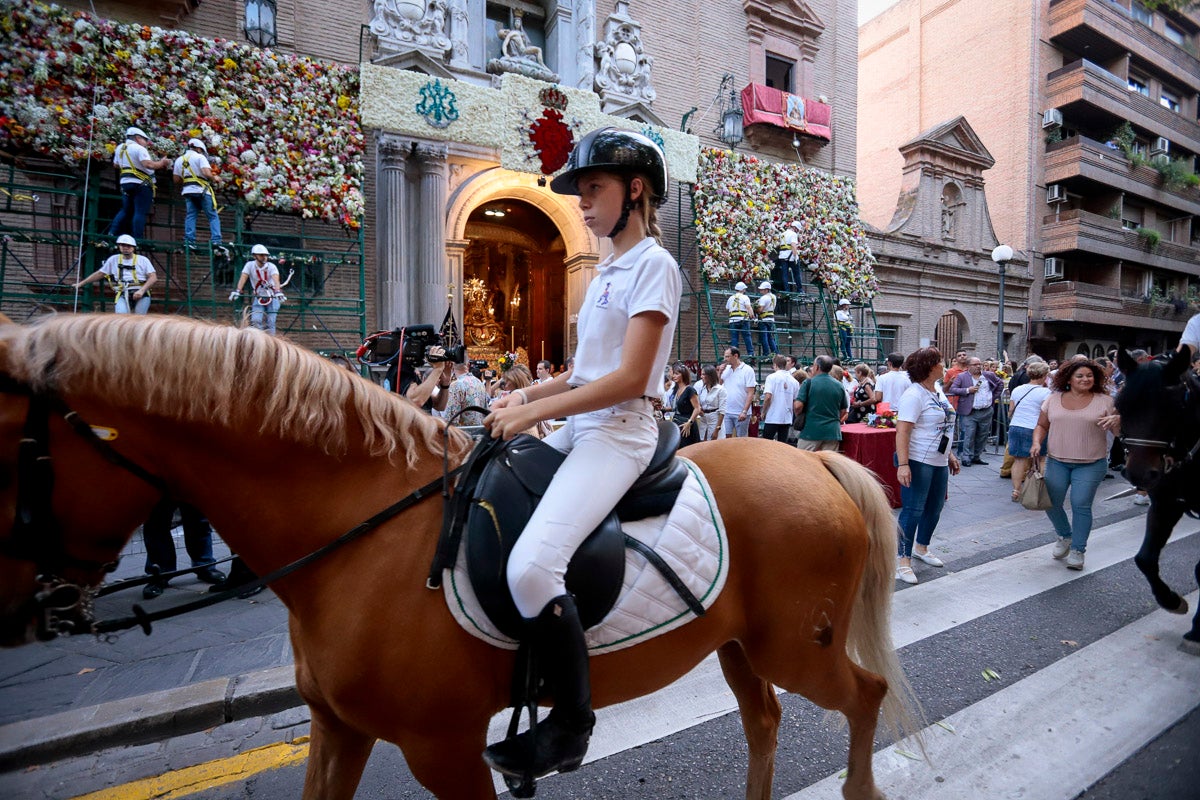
(607, 451)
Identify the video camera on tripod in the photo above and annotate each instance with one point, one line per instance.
(413, 346)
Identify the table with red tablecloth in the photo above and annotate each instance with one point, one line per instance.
(874, 449)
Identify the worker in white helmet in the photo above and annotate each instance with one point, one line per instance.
(741, 311)
(136, 169)
(268, 294)
(193, 172)
(130, 275)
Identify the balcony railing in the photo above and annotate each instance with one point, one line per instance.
(1076, 229)
(1077, 301)
(1112, 22)
(1087, 82)
(1080, 156)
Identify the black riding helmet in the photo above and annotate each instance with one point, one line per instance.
(619, 151)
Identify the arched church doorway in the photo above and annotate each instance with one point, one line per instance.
(514, 282)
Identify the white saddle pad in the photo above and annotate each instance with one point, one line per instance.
(691, 539)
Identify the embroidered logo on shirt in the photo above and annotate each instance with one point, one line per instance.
(605, 297)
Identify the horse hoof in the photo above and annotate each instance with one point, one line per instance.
(1182, 608)
(1190, 647)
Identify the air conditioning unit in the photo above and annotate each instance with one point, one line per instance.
(1055, 193)
(1055, 269)
(1162, 146)
(1051, 118)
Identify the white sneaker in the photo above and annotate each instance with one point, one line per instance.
(905, 573)
(1075, 560)
(1061, 548)
(929, 558)
(1141, 499)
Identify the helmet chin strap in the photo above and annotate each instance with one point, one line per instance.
(626, 207)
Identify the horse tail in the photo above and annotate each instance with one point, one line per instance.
(870, 637)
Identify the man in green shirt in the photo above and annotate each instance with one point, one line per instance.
(825, 403)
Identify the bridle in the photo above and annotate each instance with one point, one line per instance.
(1175, 455)
(63, 607)
(60, 606)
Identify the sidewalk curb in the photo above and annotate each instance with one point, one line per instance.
(147, 718)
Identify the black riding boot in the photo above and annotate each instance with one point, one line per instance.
(561, 740)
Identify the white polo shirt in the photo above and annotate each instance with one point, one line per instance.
(644, 279)
(892, 386)
(736, 382)
(196, 164)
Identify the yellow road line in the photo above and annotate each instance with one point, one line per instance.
(202, 777)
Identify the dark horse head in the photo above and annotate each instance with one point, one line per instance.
(1160, 417)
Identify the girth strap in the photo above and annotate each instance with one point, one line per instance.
(651, 555)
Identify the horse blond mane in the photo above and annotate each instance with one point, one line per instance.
(189, 370)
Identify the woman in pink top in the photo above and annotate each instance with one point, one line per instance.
(1074, 422)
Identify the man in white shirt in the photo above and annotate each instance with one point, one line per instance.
(787, 264)
(845, 327)
(779, 400)
(194, 173)
(765, 308)
(130, 275)
(741, 311)
(545, 372)
(1191, 335)
(739, 381)
(136, 168)
(890, 386)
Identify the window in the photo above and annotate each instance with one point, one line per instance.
(1173, 34)
(1139, 147)
(260, 22)
(1141, 14)
(1134, 282)
(1169, 100)
(499, 17)
(887, 339)
(779, 73)
(1138, 84)
(1131, 217)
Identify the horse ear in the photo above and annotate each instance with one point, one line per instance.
(6, 320)
(1180, 361)
(1125, 362)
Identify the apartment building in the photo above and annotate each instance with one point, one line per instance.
(1089, 108)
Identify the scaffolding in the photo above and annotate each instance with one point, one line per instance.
(52, 233)
(805, 323)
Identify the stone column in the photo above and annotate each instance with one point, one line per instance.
(431, 273)
(391, 212)
(456, 251)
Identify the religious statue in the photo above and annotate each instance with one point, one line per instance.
(518, 54)
(947, 220)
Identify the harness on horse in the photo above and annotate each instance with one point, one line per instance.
(1176, 455)
(63, 607)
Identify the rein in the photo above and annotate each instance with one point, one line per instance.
(66, 608)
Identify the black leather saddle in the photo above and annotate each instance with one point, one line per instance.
(511, 482)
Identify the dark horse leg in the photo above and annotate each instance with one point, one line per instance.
(1161, 519)
(1191, 639)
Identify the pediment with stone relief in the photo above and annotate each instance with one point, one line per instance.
(793, 16)
(955, 139)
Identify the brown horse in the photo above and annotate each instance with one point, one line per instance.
(225, 417)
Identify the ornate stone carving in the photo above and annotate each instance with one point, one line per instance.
(584, 19)
(623, 76)
(460, 29)
(405, 25)
(518, 55)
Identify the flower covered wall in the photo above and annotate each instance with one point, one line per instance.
(285, 129)
(744, 204)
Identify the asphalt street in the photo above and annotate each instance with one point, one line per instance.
(999, 604)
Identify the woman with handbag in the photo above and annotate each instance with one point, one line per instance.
(1074, 421)
(924, 459)
(1024, 410)
(686, 408)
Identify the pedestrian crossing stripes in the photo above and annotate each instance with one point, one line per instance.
(1054, 733)
(1064, 714)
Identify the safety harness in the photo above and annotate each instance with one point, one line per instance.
(767, 311)
(741, 307)
(128, 170)
(121, 285)
(193, 178)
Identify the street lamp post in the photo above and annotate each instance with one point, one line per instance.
(1002, 254)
